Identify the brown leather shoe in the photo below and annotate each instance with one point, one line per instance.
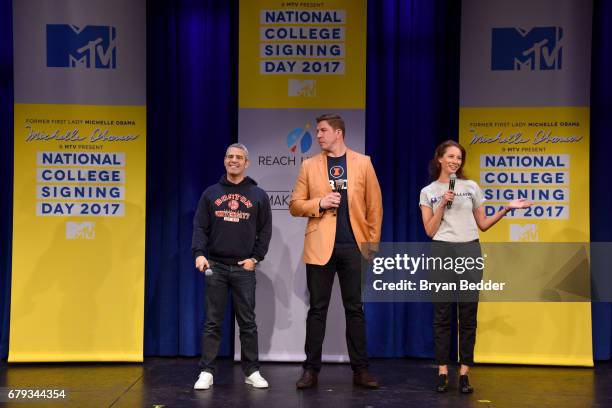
(308, 379)
(363, 378)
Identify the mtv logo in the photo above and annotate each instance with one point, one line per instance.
(535, 49)
(69, 46)
(305, 88)
(80, 230)
(524, 233)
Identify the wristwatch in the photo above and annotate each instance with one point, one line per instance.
(255, 261)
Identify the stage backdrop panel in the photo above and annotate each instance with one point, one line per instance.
(297, 61)
(524, 119)
(79, 181)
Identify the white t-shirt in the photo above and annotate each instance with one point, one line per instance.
(458, 223)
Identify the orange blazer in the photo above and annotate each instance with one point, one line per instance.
(364, 203)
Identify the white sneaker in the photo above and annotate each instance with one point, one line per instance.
(204, 381)
(256, 380)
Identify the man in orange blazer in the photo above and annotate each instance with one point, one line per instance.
(339, 193)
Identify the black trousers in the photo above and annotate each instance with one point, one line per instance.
(466, 313)
(320, 279)
(467, 304)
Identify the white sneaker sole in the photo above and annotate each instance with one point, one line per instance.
(252, 384)
(202, 387)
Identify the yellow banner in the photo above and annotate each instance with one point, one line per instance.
(78, 235)
(302, 55)
(540, 154)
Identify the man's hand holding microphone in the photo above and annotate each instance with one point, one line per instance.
(332, 200)
(202, 265)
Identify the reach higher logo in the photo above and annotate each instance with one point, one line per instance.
(299, 140)
(518, 49)
(71, 46)
(300, 137)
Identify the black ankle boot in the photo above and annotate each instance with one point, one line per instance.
(464, 385)
(442, 383)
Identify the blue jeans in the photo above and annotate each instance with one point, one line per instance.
(242, 283)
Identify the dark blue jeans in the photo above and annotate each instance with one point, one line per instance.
(242, 283)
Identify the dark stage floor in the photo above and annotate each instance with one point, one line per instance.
(168, 382)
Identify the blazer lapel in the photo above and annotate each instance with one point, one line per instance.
(323, 171)
(351, 163)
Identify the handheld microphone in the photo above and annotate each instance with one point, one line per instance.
(451, 187)
(208, 272)
(337, 186)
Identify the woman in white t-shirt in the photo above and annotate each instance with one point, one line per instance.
(454, 231)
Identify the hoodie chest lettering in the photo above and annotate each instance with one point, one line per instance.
(233, 197)
(228, 207)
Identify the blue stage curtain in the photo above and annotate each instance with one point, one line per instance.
(6, 169)
(601, 193)
(192, 118)
(412, 105)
